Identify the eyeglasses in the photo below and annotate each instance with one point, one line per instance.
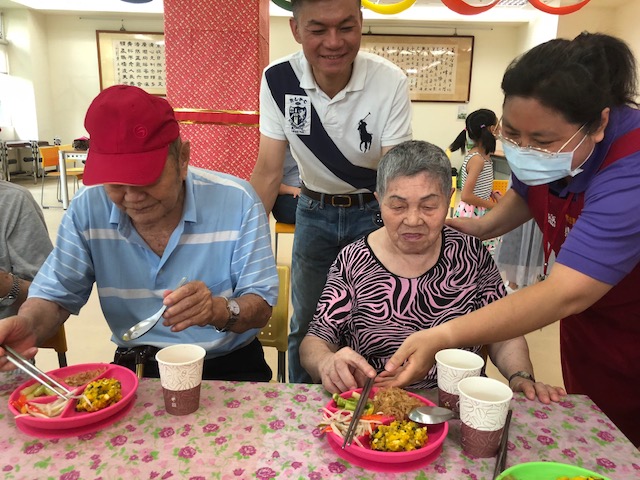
(531, 148)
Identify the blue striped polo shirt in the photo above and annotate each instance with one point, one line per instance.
(222, 240)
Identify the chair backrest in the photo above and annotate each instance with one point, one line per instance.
(59, 343)
(49, 156)
(276, 332)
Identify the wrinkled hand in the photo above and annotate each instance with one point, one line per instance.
(187, 306)
(413, 360)
(17, 333)
(545, 393)
(344, 370)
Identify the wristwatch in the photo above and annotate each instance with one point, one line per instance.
(234, 313)
(10, 298)
(522, 374)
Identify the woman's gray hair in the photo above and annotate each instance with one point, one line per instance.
(411, 158)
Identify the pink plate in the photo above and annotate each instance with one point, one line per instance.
(436, 433)
(69, 418)
(76, 432)
(383, 467)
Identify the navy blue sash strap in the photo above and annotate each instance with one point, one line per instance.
(282, 81)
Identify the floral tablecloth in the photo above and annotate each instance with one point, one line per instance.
(268, 430)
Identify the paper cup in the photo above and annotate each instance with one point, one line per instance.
(484, 403)
(180, 369)
(453, 365)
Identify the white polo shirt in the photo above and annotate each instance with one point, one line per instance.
(376, 94)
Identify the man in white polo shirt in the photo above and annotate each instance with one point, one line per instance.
(340, 111)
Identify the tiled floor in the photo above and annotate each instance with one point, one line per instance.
(89, 338)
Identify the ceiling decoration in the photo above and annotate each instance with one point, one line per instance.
(458, 6)
(388, 8)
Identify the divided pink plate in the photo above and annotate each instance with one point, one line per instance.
(421, 456)
(76, 432)
(69, 418)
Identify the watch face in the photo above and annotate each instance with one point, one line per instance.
(234, 308)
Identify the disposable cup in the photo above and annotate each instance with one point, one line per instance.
(180, 369)
(484, 403)
(453, 365)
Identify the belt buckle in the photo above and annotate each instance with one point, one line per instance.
(346, 204)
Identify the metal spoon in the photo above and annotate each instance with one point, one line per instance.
(430, 415)
(147, 324)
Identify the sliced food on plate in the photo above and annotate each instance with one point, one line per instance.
(384, 421)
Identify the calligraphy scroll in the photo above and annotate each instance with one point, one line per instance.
(438, 67)
(132, 58)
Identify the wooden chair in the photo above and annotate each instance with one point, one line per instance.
(49, 158)
(59, 343)
(275, 333)
(283, 228)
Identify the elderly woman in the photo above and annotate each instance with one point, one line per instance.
(412, 274)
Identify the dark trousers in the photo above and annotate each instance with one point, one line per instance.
(284, 210)
(245, 364)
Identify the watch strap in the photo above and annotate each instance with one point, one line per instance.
(522, 374)
(13, 293)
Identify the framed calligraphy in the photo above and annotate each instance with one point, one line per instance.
(438, 67)
(132, 58)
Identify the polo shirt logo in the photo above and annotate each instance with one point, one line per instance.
(299, 115)
(365, 137)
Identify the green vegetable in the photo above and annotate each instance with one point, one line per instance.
(351, 403)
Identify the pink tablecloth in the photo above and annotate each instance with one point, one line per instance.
(268, 430)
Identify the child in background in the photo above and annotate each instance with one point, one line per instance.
(476, 172)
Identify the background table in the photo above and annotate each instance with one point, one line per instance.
(63, 157)
(268, 430)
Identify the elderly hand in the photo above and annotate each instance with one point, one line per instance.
(192, 305)
(344, 370)
(545, 393)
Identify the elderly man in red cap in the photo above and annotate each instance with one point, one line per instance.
(145, 221)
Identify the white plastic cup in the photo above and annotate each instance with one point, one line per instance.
(180, 369)
(484, 404)
(453, 365)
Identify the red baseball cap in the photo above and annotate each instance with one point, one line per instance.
(130, 132)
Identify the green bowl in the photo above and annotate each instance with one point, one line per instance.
(546, 471)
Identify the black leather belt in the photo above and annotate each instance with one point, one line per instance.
(345, 200)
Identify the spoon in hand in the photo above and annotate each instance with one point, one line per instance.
(428, 415)
(147, 324)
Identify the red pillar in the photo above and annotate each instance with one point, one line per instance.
(215, 53)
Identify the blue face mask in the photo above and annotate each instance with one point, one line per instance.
(534, 166)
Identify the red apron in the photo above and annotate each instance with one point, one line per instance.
(600, 347)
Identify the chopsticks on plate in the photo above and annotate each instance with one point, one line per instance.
(362, 402)
(501, 459)
(34, 372)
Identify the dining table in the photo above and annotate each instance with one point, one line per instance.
(249, 430)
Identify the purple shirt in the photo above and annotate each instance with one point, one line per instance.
(371, 310)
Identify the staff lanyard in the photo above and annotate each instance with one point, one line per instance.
(547, 243)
